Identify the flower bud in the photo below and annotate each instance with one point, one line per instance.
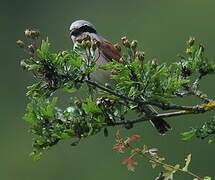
(126, 43)
(86, 37)
(31, 48)
(20, 43)
(35, 34)
(98, 44)
(83, 44)
(118, 47)
(134, 44)
(124, 38)
(154, 63)
(88, 44)
(27, 33)
(32, 34)
(79, 39)
(23, 64)
(77, 103)
(140, 55)
(95, 44)
(99, 101)
(191, 41)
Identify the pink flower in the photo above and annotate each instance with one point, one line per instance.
(134, 138)
(120, 144)
(119, 147)
(130, 162)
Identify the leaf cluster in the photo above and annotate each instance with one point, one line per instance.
(137, 81)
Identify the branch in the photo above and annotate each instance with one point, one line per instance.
(207, 107)
(158, 104)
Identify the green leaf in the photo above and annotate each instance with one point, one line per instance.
(187, 162)
(188, 135)
(48, 109)
(76, 61)
(36, 155)
(69, 90)
(43, 52)
(90, 107)
(30, 115)
(207, 178)
(211, 141)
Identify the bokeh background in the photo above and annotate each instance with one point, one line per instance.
(161, 27)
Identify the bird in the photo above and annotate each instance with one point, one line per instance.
(107, 52)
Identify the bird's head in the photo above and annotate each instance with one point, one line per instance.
(81, 27)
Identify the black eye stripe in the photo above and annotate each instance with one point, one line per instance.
(87, 29)
(83, 29)
(75, 32)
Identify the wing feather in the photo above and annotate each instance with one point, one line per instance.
(109, 51)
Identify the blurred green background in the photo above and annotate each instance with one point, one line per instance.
(161, 27)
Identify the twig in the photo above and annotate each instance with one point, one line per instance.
(163, 115)
(158, 104)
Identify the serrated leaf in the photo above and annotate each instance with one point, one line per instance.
(43, 52)
(76, 61)
(48, 110)
(30, 115)
(90, 107)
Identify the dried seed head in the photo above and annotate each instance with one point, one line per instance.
(104, 101)
(83, 44)
(88, 44)
(35, 34)
(79, 39)
(86, 37)
(154, 63)
(121, 59)
(23, 64)
(20, 43)
(31, 48)
(95, 44)
(123, 38)
(140, 55)
(99, 101)
(98, 44)
(126, 43)
(191, 41)
(32, 34)
(77, 103)
(134, 44)
(27, 33)
(118, 47)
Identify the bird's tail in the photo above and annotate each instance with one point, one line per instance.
(161, 125)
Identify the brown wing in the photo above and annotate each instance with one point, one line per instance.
(109, 51)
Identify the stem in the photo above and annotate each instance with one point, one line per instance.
(168, 165)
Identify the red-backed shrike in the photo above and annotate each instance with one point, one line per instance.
(106, 53)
